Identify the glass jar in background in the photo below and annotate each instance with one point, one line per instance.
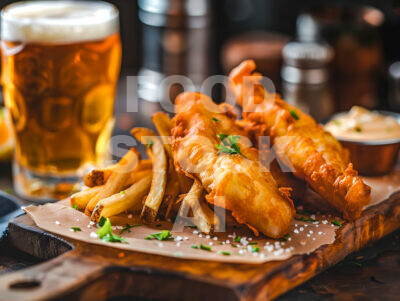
(305, 78)
(61, 62)
(176, 40)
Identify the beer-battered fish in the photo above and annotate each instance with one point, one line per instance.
(316, 155)
(208, 146)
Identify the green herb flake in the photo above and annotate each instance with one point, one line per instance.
(149, 144)
(226, 253)
(234, 246)
(237, 239)
(74, 206)
(101, 222)
(194, 247)
(336, 122)
(9, 191)
(76, 229)
(254, 249)
(229, 145)
(253, 243)
(122, 192)
(216, 119)
(285, 238)
(294, 114)
(336, 223)
(304, 218)
(356, 263)
(163, 235)
(128, 228)
(192, 227)
(358, 129)
(105, 232)
(206, 248)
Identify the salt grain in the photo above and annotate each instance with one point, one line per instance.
(208, 236)
(296, 231)
(57, 222)
(215, 238)
(93, 234)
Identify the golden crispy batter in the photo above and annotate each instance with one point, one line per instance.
(233, 181)
(316, 155)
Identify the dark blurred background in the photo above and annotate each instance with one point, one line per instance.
(350, 49)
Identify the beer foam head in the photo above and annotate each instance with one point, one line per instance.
(58, 21)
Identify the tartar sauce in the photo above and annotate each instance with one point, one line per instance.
(363, 125)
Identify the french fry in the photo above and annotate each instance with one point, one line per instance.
(117, 179)
(164, 126)
(171, 193)
(136, 176)
(82, 198)
(203, 217)
(99, 176)
(144, 164)
(130, 199)
(155, 196)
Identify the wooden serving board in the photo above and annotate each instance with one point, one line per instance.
(85, 271)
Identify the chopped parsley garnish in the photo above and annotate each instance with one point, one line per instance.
(74, 206)
(285, 238)
(192, 227)
(149, 144)
(358, 129)
(254, 249)
(294, 114)
(229, 145)
(9, 191)
(336, 223)
(128, 228)
(122, 192)
(158, 225)
(105, 232)
(237, 239)
(234, 246)
(76, 229)
(163, 235)
(101, 222)
(216, 119)
(226, 253)
(304, 218)
(206, 248)
(356, 263)
(253, 243)
(194, 247)
(336, 122)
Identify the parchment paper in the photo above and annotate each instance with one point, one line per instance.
(305, 237)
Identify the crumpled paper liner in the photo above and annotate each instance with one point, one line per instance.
(305, 237)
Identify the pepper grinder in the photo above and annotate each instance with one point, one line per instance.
(305, 78)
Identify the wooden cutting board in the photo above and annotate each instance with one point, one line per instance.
(91, 272)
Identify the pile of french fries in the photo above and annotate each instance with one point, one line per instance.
(151, 188)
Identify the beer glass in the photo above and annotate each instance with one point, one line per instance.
(61, 62)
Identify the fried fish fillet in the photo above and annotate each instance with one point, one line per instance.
(232, 176)
(317, 157)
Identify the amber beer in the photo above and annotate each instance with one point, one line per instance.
(61, 62)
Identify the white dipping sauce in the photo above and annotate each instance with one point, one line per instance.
(360, 124)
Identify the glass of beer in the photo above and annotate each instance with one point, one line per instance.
(60, 66)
